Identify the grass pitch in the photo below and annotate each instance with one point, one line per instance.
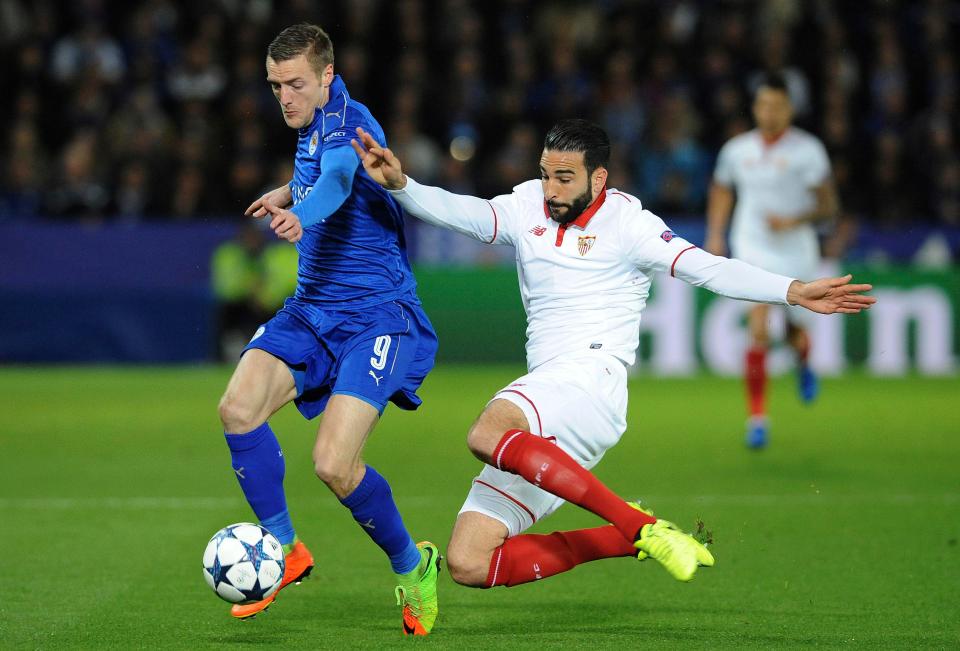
(844, 533)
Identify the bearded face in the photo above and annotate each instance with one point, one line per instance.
(564, 213)
(568, 188)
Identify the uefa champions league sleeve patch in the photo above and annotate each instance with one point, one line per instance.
(667, 235)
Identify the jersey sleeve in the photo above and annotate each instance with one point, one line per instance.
(729, 277)
(723, 173)
(652, 246)
(512, 210)
(817, 168)
(487, 221)
(332, 187)
(340, 127)
(649, 243)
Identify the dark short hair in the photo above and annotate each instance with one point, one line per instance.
(581, 136)
(774, 81)
(306, 39)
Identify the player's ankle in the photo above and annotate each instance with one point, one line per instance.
(290, 545)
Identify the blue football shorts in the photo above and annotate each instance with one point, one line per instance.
(378, 354)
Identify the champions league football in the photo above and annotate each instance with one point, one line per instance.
(243, 563)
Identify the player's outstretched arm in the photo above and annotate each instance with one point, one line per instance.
(737, 279)
(280, 197)
(831, 295)
(471, 216)
(380, 163)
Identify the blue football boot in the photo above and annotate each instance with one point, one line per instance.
(757, 430)
(807, 384)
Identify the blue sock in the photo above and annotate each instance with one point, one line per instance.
(280, 526)
(372, 506)
(259, 466)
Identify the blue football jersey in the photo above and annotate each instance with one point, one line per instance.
(357, 256)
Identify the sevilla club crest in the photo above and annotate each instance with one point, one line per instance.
(585, 243)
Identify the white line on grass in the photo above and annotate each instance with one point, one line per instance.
(118, 503)
(761, 500)
(816, 498)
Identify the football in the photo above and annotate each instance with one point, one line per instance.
(243, 563)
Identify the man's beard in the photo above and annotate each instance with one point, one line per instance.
(574, 208)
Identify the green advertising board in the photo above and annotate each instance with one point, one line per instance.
(914, 327)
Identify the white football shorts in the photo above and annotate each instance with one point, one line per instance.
(802, 264)
(581, 404)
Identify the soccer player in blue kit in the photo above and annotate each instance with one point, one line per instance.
(352, 338)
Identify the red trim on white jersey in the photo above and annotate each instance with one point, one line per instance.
(509, 497)
(672, 266)
(582, 219)
(770, 142)
(535, 410)
(495, 223)
(620, 194)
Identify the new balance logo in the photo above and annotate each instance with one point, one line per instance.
(375, 378)
(538, 230)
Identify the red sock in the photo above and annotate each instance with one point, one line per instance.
(756, 377)
(802, 345)
(543, 464)
(529, 557)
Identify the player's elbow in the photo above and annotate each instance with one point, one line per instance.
(345, 183)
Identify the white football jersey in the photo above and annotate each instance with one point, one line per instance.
(772, 179)
(584, 284)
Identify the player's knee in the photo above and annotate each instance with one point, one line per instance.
(236, 416)
(467, 569)
(482, 440)
(327, 470)
(338, 476)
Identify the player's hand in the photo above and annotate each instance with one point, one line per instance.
(779, 223)
(716, 244)
(830, 295)
(278, 197)
(284, 223)
(380, 163)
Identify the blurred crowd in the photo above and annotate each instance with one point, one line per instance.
(159, 109)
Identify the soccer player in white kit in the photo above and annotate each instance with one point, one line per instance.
(779, 178)
(585, 257)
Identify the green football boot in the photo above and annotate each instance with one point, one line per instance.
(679, 552)
(418, 594)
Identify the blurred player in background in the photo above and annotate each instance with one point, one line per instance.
(352, 337)
(779, 178)
(585, 257)
(250, 279)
